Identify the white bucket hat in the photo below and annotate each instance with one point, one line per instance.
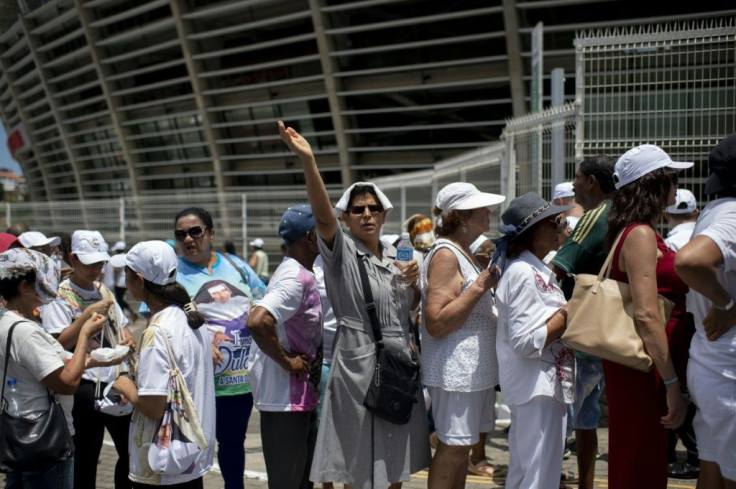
(465, 196)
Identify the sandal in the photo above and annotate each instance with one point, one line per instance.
(485, 469)
(569, 476)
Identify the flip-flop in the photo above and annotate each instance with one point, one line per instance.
(569, 476)
(485, 469)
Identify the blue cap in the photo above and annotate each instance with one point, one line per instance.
(296, 222)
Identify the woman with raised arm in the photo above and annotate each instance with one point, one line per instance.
(354, 446)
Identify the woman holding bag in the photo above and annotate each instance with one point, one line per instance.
(642, 405)
(38, 363)
(353, 445)
(173, 339)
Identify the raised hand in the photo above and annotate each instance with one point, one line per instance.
(295, 141)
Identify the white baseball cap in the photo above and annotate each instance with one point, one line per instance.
(643, 159)
(155, 260)
(258, 243)
(31, 239)
(685, 202)
(465, 196)
(89, 247)
(563, 190)
(119, 246)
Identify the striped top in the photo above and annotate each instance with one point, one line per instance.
(585, 250)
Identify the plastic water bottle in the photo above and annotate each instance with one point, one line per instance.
(404, 254)
(13, 398)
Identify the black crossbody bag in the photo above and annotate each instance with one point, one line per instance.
(32, 444)
(392, 392)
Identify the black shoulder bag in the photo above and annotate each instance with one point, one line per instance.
(392, 392)
(32, 444)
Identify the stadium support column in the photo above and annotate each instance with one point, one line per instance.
(103, 72)
(337, 104)
(188, 49)
(513, 51)
(42, 161)
(33, 44)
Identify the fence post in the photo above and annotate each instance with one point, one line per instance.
(558, 130)
(243, 226)
(403, 208)
(8, 218)
(121, 218)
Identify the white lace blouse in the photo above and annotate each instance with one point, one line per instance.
(464, 360)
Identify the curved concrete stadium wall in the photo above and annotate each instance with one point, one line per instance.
(140, 98)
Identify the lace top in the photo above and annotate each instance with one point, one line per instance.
(464, 360)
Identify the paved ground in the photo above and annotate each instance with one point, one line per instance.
(255, 477)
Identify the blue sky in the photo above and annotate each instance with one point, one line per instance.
(6, 161)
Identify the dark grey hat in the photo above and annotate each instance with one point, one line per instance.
(525, 211)
(722, 166)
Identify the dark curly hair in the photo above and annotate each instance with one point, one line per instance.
(450, 221)
(641, 201)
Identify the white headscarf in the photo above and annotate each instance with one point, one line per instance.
(17, 262)
(342, 204)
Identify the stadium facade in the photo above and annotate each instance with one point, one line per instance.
(109, 98)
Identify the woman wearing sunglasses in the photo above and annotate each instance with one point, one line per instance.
(224, 288)
(536, 370)
(353, 446)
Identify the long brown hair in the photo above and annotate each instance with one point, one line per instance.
(641, 201)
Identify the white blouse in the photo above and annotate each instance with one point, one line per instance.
(464, 360)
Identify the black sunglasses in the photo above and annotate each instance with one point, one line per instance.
(193, 232)
(360, 209)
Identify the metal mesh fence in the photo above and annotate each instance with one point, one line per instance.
(541, 151)
(673, 86)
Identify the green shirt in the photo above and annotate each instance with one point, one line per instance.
(585, 250)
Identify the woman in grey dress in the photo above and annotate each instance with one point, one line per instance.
(353, 446)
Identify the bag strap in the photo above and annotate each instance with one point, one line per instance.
(370, 304)
(608, 264)
(236, 267)
(7, 359)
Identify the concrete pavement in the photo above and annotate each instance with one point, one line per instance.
(255, 474)
(496, 449)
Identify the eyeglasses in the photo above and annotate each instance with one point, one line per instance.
(559, 223)
(193, 232)
(358, 210)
